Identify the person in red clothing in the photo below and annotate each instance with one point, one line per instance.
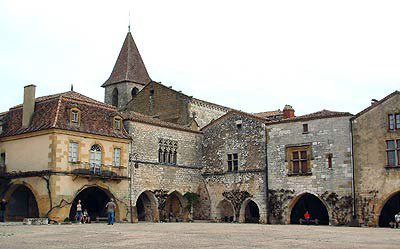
(307, 216)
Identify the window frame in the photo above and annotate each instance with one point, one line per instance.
(395, 150)
(305, 128)
(3, 159)
(117, 163)
(117, 120)
(70, 152)
(393, 121)
(232, 162)
(291, 160)
(75, 116)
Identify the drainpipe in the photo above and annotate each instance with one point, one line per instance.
(266, 176)
(131, 155)
(353, 187)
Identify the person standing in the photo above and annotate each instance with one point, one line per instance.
(79, 212)
(3, 204)
(111, 211)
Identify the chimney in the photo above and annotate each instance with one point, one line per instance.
(29, 105)
(373, 101)
(288, 112)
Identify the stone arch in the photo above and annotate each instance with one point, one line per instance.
(311, 202)
(175, 207)
(389, 207)
(114, 97)
(225, 211)
(22, 202)
(93, 198)
(249, 211)
(147, 206)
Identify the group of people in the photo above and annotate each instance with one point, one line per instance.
(83, 216)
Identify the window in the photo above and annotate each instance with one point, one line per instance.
(73, 152)
(2, 159)
(117, 123)
(305, 128)
(75, 116)
(329, 157)
(239, 124)
(394, 121)
(167, 151)
(233, 162)
(393, 152)
(114, 99)
(299, 160)
(95, 158)
(134, 92)
(117, 157)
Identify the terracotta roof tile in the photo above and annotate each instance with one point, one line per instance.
(269, 114)
(138, 117)
(315, 115)
(52, 112)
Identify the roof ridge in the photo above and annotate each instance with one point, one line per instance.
(57, 111)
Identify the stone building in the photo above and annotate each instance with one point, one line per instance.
(309, 168)
(167, 156)
(376, 143)
(234, 167)
(58, 149)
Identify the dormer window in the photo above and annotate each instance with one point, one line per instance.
(75, 115)
(117, 123)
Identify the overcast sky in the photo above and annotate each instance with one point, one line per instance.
(250, 55)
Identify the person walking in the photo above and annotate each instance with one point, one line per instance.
(79, 212)
(111, 211)
(3, 204)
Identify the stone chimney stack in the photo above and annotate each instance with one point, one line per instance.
(288, 112)
(29, 105)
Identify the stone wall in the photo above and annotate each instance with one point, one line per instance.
(165, 103)
(375, 182)
(248, 141)
(205, 112)
(333, 186)
(160, 180)
(124, 93)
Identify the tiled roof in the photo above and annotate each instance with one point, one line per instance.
(138, 117)
(315, 115)
(129, 65)
(375, 104)
(52, 112)
(269, 114)
(230, 113)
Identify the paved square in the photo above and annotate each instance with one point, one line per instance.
(195, 235)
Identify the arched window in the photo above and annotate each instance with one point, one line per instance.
(115, 97)
(174, 158)
(165, 156)
(95, 158)
(134, 92)
(170, 159)
(160, 155)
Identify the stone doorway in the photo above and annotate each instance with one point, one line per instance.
(314, 206)
(225, 212)
(146, 207)
(94, 200)
(391, 207)
(251, 213)
(21, 204)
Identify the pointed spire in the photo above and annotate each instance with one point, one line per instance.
(129, 65)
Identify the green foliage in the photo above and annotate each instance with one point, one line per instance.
(191, 198)
(67, 219)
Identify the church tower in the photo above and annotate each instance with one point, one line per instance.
(128, 76)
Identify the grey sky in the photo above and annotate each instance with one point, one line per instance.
(249, 55)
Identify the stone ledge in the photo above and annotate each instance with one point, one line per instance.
(36, 221)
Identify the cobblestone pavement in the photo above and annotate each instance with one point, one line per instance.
(195, 235)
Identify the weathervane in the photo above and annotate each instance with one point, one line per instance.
(129, 22)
